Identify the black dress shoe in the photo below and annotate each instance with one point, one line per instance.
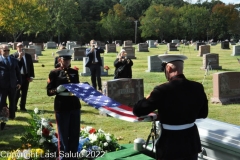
(23, 109)
(3, 125)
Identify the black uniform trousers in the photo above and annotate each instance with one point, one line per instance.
(22, 93)
(68, 122)
(96, 75)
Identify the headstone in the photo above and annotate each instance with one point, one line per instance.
(118, 42)
(71, 46)
(236, 51)
(25, 44)
(199, 44)
(211, 59)
(70, 43)
(38, 49)
(79, 53)
(111, 48)
(32, 52)
(130, 52)
(127, 43)
(143, 47)
(225, 45)
(154, 64)
(41, 45)
(151, 43)
(232, 43)
(175, 41)
(226, 88)
(125, 90)
(86, 70)
(51, 45)
(204, 49)
(101, 45)
(172, 47)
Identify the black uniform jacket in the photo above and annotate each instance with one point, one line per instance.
(179, 101)
(60, 76)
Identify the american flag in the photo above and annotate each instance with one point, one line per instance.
(105, 104)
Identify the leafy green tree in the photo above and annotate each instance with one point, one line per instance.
(115, 24)
(22, 16)
(158, 21)
(175, 3)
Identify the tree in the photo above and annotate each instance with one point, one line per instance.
(22, 16)
(175, 3)
(158, 21)
(115, 24)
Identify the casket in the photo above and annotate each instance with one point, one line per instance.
(220, 141)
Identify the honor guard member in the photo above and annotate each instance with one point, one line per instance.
(66, 105)
(179, 103)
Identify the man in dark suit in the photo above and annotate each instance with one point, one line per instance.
(25, 64)
(10, 80)
(94, 63)
(179, 103)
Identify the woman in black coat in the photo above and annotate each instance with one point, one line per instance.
(123, 66)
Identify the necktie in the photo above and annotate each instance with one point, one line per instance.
(94, 56)
(24, 67)
(7, 62)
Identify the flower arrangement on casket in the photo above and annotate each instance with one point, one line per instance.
(96, 140)
(106, 68)
(40, 133)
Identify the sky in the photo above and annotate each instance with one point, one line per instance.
(224, 1)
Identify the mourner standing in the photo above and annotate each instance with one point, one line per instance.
(123, 66)
(66, 105)
(94, 63)
(179, 103)
(27, 71)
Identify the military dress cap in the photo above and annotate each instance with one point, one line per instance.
(65, 53)
(19, 44)
(167, 58)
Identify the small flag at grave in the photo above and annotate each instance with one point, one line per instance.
(105, 104)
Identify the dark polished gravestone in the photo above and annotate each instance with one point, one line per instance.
(225, 45)
(154, 64)
(79, 53)
(172, 47)
(124, 90)
(143, 47)
(199, 44)
(226, 88)
(212, 60)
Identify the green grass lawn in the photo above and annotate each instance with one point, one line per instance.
(37, 97)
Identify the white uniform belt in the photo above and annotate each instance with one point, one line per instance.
(65, 94)
(177, 127)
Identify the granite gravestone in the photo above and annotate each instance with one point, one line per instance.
(225, 45)
(236, 51)
(86, 70)
(226, 87)
(172, 47)
(38, 49)
(127, 43)
(130, 52)
(175, 41)
(79, 53)
(118, 42)
(203, 49)
(51, 45)
(25, 44)
(143, 47)
(33, 54)
(41, 46)
(151, 43)
(70, 43)
(127, 91)
(212, 60)
(154, 64)
(111, 48)
(199, 44)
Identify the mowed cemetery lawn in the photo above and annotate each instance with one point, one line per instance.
(37, 97)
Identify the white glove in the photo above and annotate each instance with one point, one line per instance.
(60, 88)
